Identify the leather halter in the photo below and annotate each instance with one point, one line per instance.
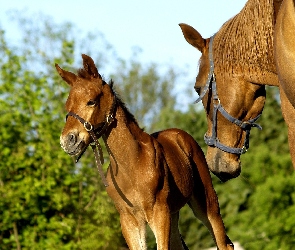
(217, 106)
(96, 131)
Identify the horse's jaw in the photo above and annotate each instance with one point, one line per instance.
(224, 165)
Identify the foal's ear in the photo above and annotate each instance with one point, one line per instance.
(67, 76)
(90, 67)
(193, 37)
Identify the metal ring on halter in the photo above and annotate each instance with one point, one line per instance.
(88, 126)
(109, 118)
(216, 100)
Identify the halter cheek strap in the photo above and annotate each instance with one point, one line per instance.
(217, 106)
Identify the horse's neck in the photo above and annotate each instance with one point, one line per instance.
(123, 138)
(246, 40)
(253, 25)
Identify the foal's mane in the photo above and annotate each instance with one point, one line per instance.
(246, 40)
(119, 101)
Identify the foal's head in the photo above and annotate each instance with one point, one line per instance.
(90, 98)
(242, 100)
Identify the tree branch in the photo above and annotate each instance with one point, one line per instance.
(16, 236)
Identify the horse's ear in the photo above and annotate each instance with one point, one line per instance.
(67, 76)
(90, 67)
(193, 37)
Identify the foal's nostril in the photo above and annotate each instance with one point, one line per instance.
(72, 139)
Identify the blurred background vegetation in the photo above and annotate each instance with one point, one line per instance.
(49, 202)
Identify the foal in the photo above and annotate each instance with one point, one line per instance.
(150, 177)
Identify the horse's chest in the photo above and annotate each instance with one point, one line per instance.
(135, 189)
(133, 200)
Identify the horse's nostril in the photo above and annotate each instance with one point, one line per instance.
(72, 138)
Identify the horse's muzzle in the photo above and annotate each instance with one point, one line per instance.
(222, 165)
(72, 144)
(224, 176)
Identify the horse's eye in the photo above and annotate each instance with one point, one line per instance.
(91, 103)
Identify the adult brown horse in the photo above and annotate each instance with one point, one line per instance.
(236, 64)
(150, 177)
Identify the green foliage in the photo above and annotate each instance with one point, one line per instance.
(271, 221)
(47, 202)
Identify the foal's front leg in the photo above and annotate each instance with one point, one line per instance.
(160, 225)
(134, 231)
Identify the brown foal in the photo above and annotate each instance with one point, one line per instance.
(150, 177)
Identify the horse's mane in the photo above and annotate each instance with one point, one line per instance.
(129, 115)
(246, 40)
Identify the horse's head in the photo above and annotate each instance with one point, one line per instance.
(89, 103)
(232, 105)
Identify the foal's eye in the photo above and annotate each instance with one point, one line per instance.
(91, 103)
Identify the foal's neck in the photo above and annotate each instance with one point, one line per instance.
(123, 137)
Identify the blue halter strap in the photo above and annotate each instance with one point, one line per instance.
(212, 140)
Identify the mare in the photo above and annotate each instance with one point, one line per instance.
(236, 64)
(150, 177)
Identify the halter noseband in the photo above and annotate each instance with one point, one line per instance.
(217, 106)
(96, 131)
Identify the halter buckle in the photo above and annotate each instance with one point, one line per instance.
(244, 150)
(88, 126)
(110, 119)
(216, 101)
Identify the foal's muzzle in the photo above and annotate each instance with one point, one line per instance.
(72, 144)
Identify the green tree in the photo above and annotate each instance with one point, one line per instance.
(47, 202)
(270, 221)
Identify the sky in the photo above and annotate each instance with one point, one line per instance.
(150, 25)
